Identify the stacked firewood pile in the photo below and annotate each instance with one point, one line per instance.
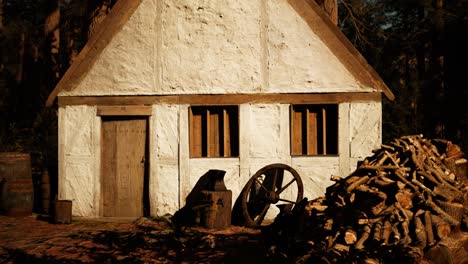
(398, 204)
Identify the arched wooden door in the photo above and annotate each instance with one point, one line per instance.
(123, 159)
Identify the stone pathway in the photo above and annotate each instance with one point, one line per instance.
(144, 240)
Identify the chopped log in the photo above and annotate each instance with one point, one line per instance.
(387, 147)
(382, 159)
(371, 261)
(455, 210)
(428, 227)
(350, 236)
(336, 178)
(456, 193)
(453, 151)
(328, 226)
(401, 197)
(376, 235)
(384, 167)
(415, 159)
(377, 209)
(447, 193)
(420, 232)
(439, 175)
(386, 231)
(355, 184)
(442, 228)
(404, 197)
(364, 236)
(402, 177)
(383, 182)
(428, 176)
(423, 187)
(317, 208)
(446, 217)
(396, 233)
(395, 161)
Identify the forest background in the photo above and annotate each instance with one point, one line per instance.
(419, 48)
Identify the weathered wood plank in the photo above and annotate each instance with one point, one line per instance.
(195, 124)
(221, 99)
(125, 110)
(123, 167)
(296, 132)
(312, 132)
(226, 134)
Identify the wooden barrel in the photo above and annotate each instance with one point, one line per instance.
(45, 192)
(16, 197)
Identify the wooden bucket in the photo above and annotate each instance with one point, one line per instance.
(16, 187)
(62, 211)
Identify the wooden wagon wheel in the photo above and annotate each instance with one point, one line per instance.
(266, 187)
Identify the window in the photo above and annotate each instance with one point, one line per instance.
(314, 129)
(214, 131)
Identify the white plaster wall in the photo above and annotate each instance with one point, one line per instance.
(365, 130)
(79, 157)
(164, 160)
(210, 46)
(127, 64)
(315, 173)
(298, 60)
(264, 139)
(215, 47)
(200, 166)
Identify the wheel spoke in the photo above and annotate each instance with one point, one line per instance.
(286, 186)
(288, 201)
(275, 177)
(261, 184)
(262, 214)
(279, 180)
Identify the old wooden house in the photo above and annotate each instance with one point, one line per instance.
(166, 90)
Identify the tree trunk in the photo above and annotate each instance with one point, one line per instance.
(52, 33)
(20, 66)
(1, 15)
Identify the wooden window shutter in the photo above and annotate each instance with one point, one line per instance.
(213, 131)
(311, 132)
(227, 134)
(314, 129)
(195, 123)
(296, 131)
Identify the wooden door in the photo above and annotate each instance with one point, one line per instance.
(123, 149)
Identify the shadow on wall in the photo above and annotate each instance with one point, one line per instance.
(190, 214)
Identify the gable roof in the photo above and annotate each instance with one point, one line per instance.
(312, 14)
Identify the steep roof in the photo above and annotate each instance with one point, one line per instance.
(312, 14)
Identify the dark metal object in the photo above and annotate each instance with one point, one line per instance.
(216, 202)
(216, 180)
(265, 188)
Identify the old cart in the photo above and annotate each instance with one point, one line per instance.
(277, 184)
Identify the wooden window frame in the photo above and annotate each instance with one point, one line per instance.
(214, 131)
(311, 129)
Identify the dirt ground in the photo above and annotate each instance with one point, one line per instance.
(34, 239)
